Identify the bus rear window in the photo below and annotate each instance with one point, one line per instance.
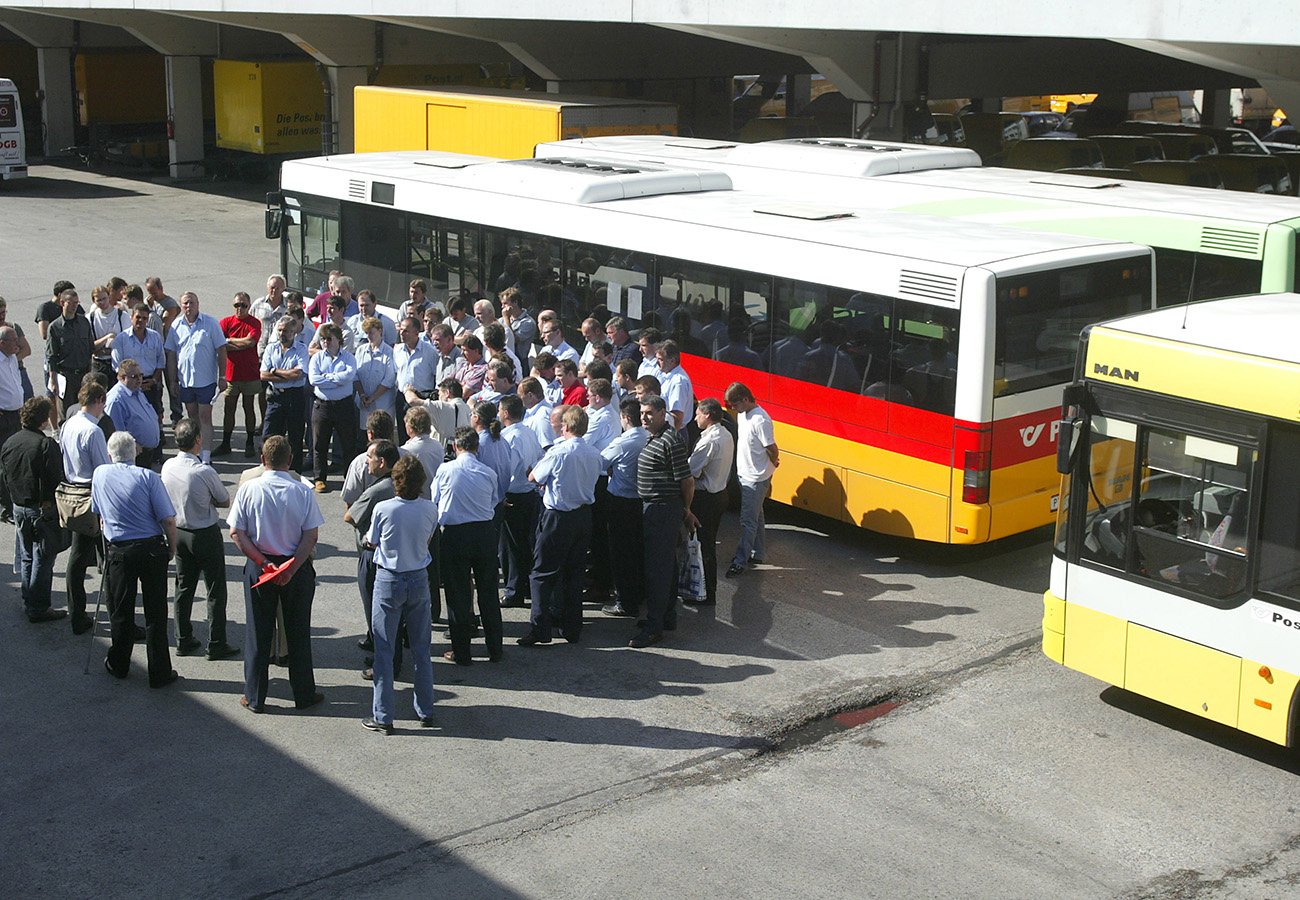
(1183, 276)
(1039, 317)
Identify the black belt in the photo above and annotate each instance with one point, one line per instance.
(197, 530)
(280, 391)
(347, 399)
(138, 542)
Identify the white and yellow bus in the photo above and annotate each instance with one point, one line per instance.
(1177, 560)
(913, 365)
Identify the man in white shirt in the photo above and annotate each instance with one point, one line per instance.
(84, 449)
(675, 386)
(486, 314)
(197, 493)
(710, 465)
(757, 457)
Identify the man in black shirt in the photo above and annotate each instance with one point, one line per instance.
(68, 350)
(31, 468)
(666, 488)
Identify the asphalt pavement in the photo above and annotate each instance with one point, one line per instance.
(705, 766)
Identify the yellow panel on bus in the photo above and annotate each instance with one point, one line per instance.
(1095, 643)
(1182, 674)
(1265, 707)
(1053, 627)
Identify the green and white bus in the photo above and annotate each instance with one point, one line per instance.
(1207, 243)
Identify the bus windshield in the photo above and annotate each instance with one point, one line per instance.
(1039, 317)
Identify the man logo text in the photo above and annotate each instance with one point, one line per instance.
(1114, 372)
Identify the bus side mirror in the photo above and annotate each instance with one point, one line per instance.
(1066, 438)
(274, 223)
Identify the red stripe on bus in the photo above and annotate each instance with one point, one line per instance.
(894, 427)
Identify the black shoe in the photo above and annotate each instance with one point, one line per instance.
(367, 644)
(733, 570)
(108, 667)
(617, 609)
(645, 639)
(368, 674)
(188, 646)
(315, 699)
(221, 650)
(372, 725)
(496, 657)
(82, 623)
(531, 640)
(243, 701)
(572, 638)
(451, 656)
(699, 601)
(250, 449)
(137, 634)
(6, 516)
(427, 722)
(47, 615)
(222, 450)
(167, 679)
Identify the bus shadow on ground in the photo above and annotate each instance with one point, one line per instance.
(39, 188)
(1230, 739)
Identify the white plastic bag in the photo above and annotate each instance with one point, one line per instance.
(690, 581)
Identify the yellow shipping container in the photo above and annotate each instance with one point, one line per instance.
(494, 122)
(268, 107)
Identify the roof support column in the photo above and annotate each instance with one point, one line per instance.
(343, 81)
(184, 116)
(58, 105)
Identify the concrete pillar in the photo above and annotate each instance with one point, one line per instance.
(58, 105)
(185, 115)
(1216, 108)
(798, 91)
(343, 82)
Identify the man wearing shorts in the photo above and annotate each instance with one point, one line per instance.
(243, 332)
(200, 363)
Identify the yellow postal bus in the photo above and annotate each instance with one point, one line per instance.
(1177, 559)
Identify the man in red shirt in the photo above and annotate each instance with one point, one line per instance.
(243, 373)
(575, 392)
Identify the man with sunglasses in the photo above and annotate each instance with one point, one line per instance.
(243, 333)
(132, 412)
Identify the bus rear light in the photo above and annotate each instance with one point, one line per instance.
(975, 477)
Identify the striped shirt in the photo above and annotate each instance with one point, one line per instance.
(662, 466)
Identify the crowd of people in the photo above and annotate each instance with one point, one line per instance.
(485, 461)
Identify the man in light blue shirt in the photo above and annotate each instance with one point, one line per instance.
(464, 490)
(523, 502)
(567, 474)
(602, 418)
(620, 460)
(140, 528)
(416, 363)
(284, 372)
(200, 348)
(131, 412)
(602, 427)
(144, 345)
(332, 374)
(274, 520)
(369, 308)
(537, 415)
(675, 387)
(400, 533)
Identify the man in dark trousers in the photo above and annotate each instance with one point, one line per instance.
(30, 469)
(139, 525)
(464, 490)
(666, 488)
(275, 521)
(567, 474)
(67, 351)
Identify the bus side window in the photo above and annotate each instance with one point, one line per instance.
(1279, 544)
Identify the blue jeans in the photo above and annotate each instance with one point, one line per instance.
(39, 541)
(751, 522)
(399, 594)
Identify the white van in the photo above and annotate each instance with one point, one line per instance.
(13, 144)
